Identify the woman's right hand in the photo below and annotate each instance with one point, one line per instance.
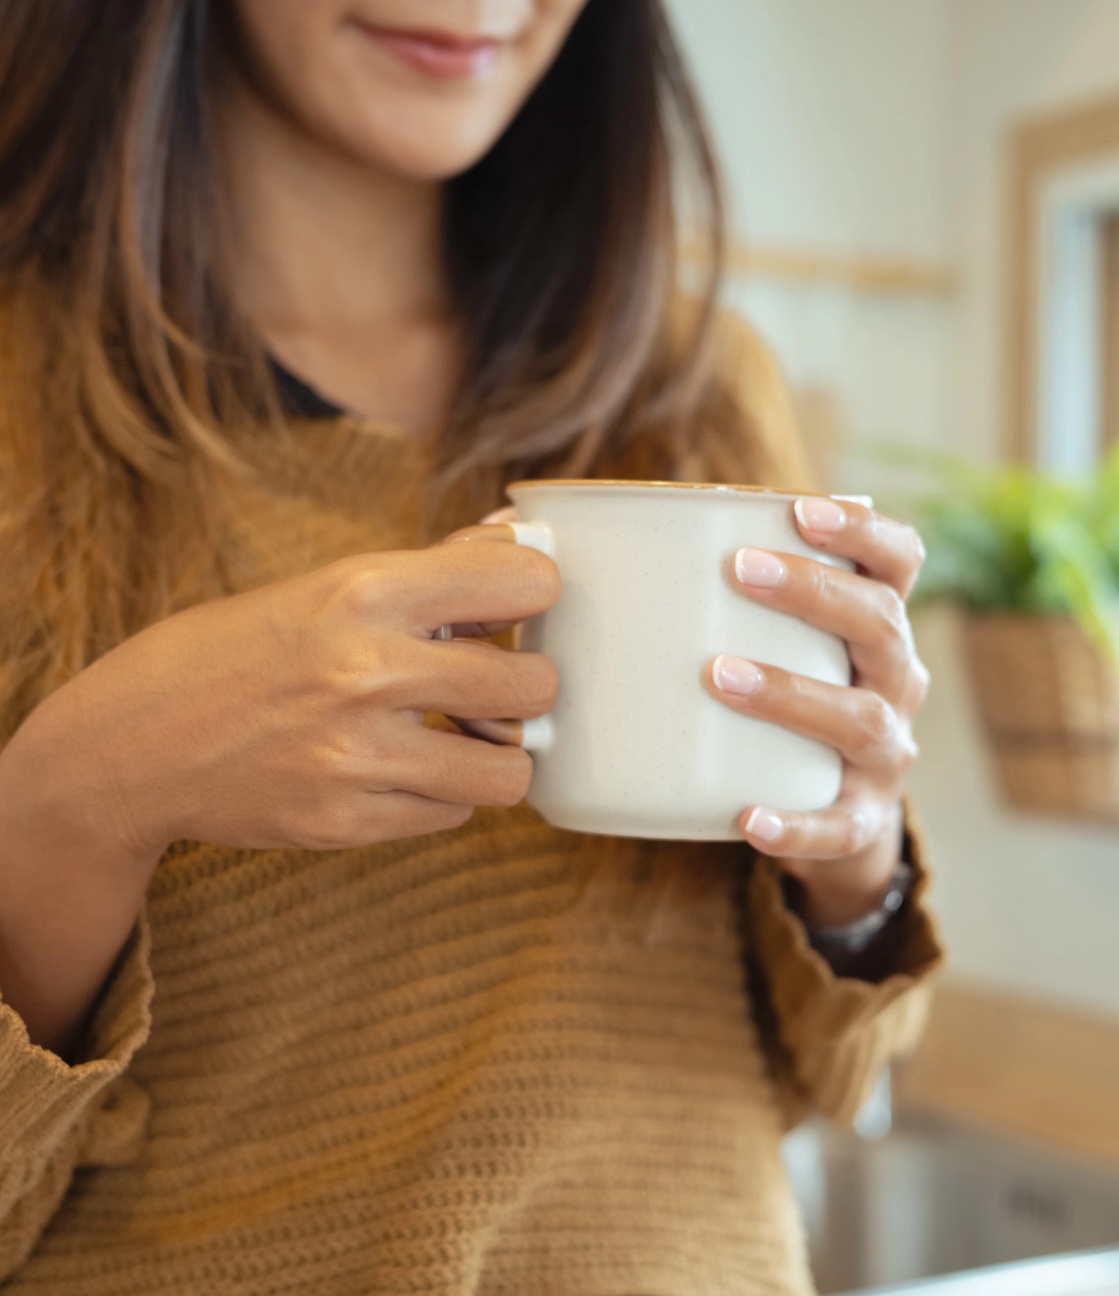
(292, 715)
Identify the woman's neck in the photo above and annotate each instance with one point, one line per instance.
(338, 266)
(320, 239)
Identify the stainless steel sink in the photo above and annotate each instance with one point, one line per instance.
(937, 1196)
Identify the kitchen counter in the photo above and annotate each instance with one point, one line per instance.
(1089, 1274)
(1026, 1068)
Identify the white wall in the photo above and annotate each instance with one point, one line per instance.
(877, 127)
(830, 116)
(830, 120)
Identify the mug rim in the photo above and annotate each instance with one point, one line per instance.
(727, 488)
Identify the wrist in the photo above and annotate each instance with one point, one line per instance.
(843, 891)
(61, 789)
(853, 938)
(70, 887)
(835, 902)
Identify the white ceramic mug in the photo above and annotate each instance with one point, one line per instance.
(636, 745)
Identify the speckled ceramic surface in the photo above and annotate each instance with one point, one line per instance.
(636, 746)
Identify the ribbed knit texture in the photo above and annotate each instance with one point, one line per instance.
(502, 1060)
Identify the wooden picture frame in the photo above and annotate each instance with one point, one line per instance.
(1038, 149)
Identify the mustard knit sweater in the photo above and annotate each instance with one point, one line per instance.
(504, 1060)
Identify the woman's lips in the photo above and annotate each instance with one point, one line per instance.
(437, 54)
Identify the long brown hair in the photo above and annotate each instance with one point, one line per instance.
(125, 371)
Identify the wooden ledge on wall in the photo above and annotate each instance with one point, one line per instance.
(899, 276)
(1019, 1065)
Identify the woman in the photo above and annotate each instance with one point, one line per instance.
(294, 995)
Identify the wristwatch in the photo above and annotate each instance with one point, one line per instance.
(853, 938)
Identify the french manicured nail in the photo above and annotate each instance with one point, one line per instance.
(734, 675)
(764, 825)
(817, 514)
(756, 567)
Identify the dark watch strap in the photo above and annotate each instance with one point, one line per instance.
(853, 938)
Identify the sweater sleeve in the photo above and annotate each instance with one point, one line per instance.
(828, 1037)
(56, 1118)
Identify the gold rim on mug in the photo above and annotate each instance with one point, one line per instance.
(723, 487)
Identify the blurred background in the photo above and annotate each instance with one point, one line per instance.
(925, 207)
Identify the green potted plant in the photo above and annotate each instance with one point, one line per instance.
(1034, 560)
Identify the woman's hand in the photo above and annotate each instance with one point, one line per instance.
(292, 715)
(288, 716)
(845, 856)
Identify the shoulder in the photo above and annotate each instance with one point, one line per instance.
(748, 410)
(747, 365)
(738, 352)
(737, 342)
(738, 361)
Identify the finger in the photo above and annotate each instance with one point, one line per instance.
(845, 828)
(886, 549)
(456, 583)
(497, 528)
(868, 614)
(390, 816)
(403, 814)
(859, 724)
(447, 767)
(478, 681)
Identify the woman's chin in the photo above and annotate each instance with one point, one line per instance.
(433, 146)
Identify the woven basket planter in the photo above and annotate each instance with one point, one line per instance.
(1049, 698)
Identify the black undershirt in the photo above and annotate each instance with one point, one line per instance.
(298, 399)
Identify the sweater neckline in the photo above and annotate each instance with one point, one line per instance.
(299, 399)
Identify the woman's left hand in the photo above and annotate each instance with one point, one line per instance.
(844, 856)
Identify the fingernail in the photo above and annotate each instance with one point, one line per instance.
(817, 514)
(764, 825)
(756, 567)
(734, 675)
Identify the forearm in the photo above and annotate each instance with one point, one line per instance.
(70, 890)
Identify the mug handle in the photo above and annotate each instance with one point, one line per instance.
(530, 735)
(534, 535)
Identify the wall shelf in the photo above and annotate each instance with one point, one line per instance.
(896, 276)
